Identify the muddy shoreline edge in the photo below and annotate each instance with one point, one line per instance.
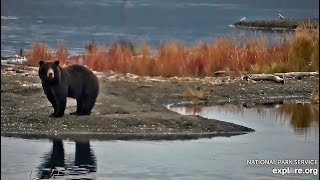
(125, 110)
(85, 136)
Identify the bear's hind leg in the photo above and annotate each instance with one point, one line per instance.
(87, 105)
(79, 107)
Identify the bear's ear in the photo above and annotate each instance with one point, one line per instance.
(41, 62)
(57, 63)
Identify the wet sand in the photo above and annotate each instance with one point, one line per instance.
(132, 107)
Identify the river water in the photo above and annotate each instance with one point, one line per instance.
(80, 21)
(286, 132)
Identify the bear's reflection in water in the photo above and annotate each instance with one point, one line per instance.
(54, 164)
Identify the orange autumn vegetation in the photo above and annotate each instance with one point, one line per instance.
(298, 51)
(43, 52)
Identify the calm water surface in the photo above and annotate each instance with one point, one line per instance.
(80, 21)
(282, 132)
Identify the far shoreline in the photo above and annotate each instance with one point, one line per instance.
(278, 25)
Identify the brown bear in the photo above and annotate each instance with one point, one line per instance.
(74, 81)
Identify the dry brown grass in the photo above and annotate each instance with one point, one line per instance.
(298, 51)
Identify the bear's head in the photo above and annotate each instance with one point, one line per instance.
(49, 72)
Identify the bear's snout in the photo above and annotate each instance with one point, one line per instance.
(50, 73)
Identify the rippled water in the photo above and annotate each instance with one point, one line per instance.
(282, 132)
(80, 21)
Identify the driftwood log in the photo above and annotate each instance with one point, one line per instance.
(297, 75)
(263, 77)
(278, 77)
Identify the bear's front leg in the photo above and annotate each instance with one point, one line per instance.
(50, 96)
(53, 102)
(61, 106)
(60, 96)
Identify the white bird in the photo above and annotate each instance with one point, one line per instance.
(243, 19)
(281, 17)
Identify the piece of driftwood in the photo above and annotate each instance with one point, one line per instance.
(144, 86)
(224, 73)
(264, 77)
(278, 77)
(219, 73)
(297, 75)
